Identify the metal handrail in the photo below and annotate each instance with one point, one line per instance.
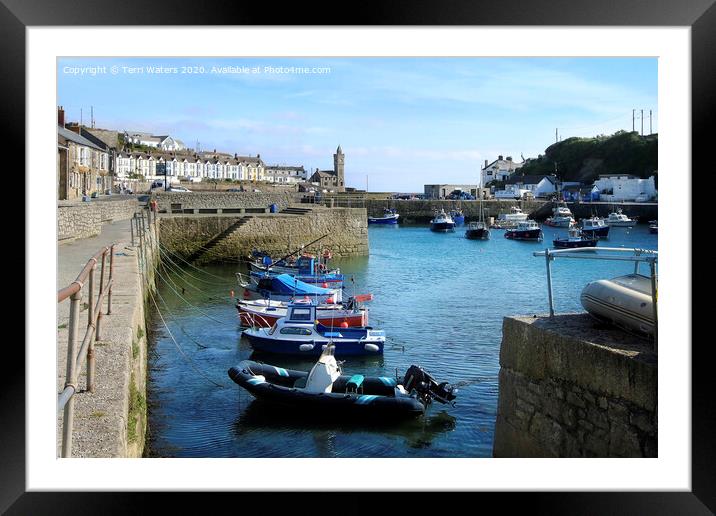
(637, 256)
(75, 359)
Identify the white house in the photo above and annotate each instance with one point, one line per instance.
(498, 170)
(285, 174)
(538, 186)
(163, 142)
(625, 187)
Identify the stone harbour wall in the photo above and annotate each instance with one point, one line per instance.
(424, 210)
(84, 219)
(346, 230)
(192, 202)
(571, 387)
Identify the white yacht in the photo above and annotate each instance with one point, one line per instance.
(561, 217)
(515, 215)
(618, 219)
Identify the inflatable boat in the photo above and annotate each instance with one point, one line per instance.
(326, 388)
(625, 301)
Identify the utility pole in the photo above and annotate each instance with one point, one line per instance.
(366, 183)
(650, 122)
(92, 117)
(642, 122)
(556, 139)
(632, 119)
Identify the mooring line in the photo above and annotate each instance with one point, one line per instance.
(187, 302)
(192, 265)
(176, 344)
(166, 306)
(166, 254)
(170, 270)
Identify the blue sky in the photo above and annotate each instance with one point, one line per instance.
(402, 122)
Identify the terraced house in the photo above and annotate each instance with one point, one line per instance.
(82, 166)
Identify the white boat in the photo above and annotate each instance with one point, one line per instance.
(618, 219)
(595, 226)
(561, 217)
(442, 222)
(515, 215)
(624, 301)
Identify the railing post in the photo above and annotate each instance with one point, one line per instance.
(70, 374)
(131, 227)
(548, 259)
(111, 275)
(98, 333)
(90, 322)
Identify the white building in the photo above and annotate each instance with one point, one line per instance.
(625, 187)
(163, 142)
(537, 186)
(285, 174)
(498, 170)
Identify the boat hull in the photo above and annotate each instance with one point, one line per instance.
(392, 219)
(442, 227)
(621, 224)
(559, 223)
(574, 244)
(602, 232)
(375, 397)
(653, 230)
(530, 234)
(477, 234)
(330, 317)
(249, 294)
(313, 347)
(459, 220)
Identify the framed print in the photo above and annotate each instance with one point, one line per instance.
(388, 303)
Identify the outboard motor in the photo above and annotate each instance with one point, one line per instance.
(418, 380)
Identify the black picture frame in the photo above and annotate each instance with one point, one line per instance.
(700, 15)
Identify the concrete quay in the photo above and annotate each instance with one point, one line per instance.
(573, 387)
(111, 421)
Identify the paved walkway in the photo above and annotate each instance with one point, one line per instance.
(100, 417)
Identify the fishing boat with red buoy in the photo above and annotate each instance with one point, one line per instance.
(527, 230)
(263, 313)
(299, 334)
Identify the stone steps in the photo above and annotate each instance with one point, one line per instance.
(218, 238)
(295, 211)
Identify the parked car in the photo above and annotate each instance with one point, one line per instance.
(178, 189)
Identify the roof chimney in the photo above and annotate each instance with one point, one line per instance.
(485, 164)
(509, 158)
(500, 157)
(61, 116)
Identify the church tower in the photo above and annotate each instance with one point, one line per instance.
(338, 164)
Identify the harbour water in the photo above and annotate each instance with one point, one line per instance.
(440, 298)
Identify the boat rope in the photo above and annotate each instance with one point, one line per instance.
(184, 271)
(174, 318)
(161, 246)
(178, 275)
(187, 302)
(176, 344)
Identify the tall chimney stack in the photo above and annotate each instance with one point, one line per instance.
(60, 116)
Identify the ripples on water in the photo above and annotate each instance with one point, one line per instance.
(440, 298)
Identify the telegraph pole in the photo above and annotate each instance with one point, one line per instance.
(650, 122)
(556, 139)
(632, 119)
(642, 122)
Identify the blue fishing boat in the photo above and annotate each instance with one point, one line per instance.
(330, 280)
(595, 227)
(574, 240)
(299, 334)
(326, 389)
(305, 265)
(458, 217)
(390, 216)
(285, 287)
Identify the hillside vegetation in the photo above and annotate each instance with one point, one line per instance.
(583, 159)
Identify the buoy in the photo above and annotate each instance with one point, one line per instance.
(324, 285)
(231, 293)
(246, 294)
(371, 347)
(305, 347)
(344, 324)
(329, 301)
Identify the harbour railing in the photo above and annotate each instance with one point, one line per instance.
(78, 354)
(637, 256)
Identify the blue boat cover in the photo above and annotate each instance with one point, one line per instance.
(287, 284)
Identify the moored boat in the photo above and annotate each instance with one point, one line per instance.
(653, 227)
(305, 265)
(327, 389)
(527, 230)
(574, 239)
(618, 219)
(478, 230)
(299, 334)
(264, 313)
(595, 227)
(561, 217)
(390, 216)
(458, 217)
(442, 222)
(285, 287)
(624, 301)
(516, 215)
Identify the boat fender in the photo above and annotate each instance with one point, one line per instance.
(306, 347)
(371, 347)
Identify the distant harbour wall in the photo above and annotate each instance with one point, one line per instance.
(223, 202)
(207, 238)
(571, 387)
(77, 219)
(422, 211)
